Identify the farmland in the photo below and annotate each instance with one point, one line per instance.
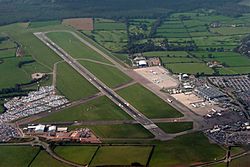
(98, 109)
(43, 23)
(17, 155)
(121, 155)
(43, 159)
(80, 23)
(189, 149)
(110, 34)
(148, 103)
(77, 154)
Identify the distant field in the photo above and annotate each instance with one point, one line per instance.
(230, 59)
(121, 155)
(43, 23)
(231, 30)
(17, 156)
(113, 40)
(107, 74)
(186, 150)
(176, 127)
(147, 102)
(98, 109)
(80, 23)
(189, 68)
(166, 54)
(101, 24)
(125, 131)
(77, 154)
(71, 84)
(74, 47)
(44, 160)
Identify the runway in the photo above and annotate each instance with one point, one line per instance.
(112, 95)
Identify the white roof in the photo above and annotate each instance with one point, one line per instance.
(40, 127)
(62, 129)
(52, 128)
(142, 62)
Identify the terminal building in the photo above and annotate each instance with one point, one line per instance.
(210, 93)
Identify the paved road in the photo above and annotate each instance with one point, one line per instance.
(112, 95)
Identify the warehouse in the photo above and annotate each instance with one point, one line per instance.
(209, 93)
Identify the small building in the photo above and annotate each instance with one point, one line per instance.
(142, 63)
(62, 129)
(52, 128)
(214, 64)
(39, 128)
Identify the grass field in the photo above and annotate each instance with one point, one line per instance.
(113, 40)
(176, 127)
(98, 109)
(111, 76)
(74, 47)
(241, 162)
(166, 54)
(121, 155)
(43, 159)
(125, 131)
(17, 156)
(147, 102)
(186, 150)
(77, 154)
(189, 68)
(103, 24)
(71, 84)
(43, 23)
(11, 74)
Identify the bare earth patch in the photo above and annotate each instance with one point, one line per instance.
(80, 23)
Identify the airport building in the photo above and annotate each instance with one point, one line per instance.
(209, 93)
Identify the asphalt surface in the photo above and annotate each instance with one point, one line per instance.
(112, 95)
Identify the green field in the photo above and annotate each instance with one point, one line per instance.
(111, 76)
(241, 162)
(17, 156)
(38, 24)
(43, 159)
(98, 109)
(125, 131)
(147, 102)
(175, 127)
(75, 47)
(189, 68)
(103, 24)
(113, 40)
(11, 74)
(121, 155)
(71, 84)
(231, 30)
(77, 154)
(166, 54)
(186, 150)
